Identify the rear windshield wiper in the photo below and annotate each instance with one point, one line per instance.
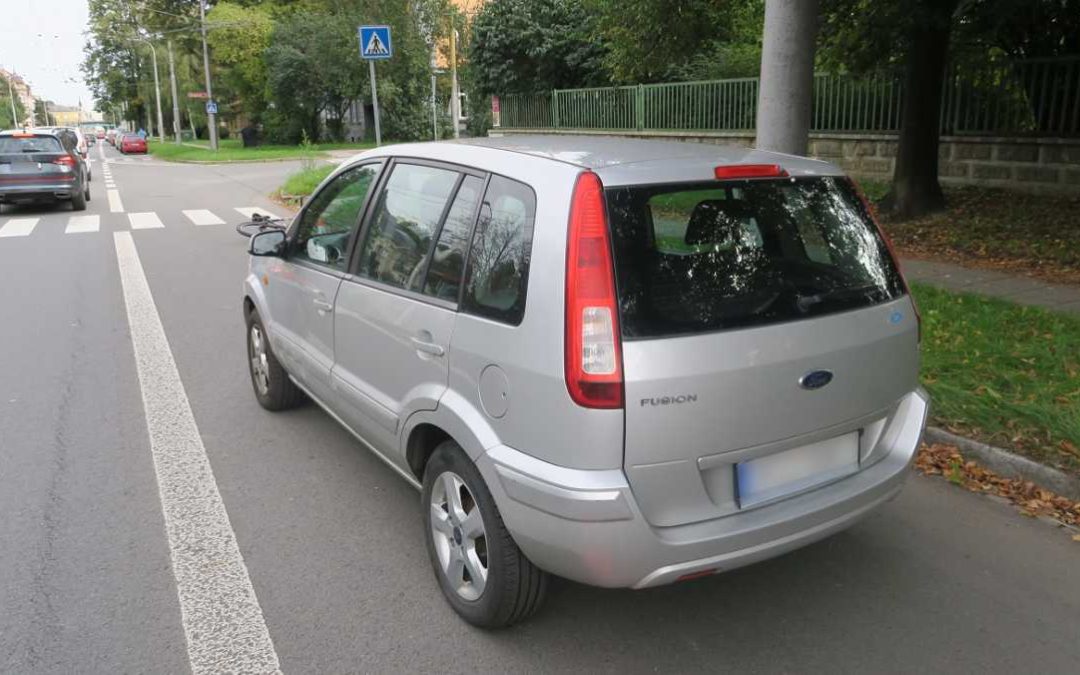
(805, 302)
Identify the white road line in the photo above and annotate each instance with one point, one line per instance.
(115, 205)
(18, 227)
(77, 224)
(145, 221)
(220, 614)
(203, 217)
(248, 211)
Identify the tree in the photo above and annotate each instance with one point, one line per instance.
(533, 45)
(5, 107)
(239, 40)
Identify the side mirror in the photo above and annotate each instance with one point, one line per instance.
(270, 243)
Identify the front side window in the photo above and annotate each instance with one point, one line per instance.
(324, 228)
(691, 259)
(499, 260)
(399, 234)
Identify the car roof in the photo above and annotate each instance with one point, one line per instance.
(626, 161)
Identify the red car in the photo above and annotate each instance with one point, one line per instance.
(132, 143)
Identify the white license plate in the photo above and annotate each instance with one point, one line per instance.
(783, 473)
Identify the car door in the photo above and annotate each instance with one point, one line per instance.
(301, 287)
(395, 313)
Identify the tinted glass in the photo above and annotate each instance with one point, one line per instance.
(499, 260)
(323, 232)
(15, 146)
(692, 259)
(448, 260)
(399, 235)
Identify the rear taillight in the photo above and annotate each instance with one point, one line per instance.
(892, 251)
(65, 160)
(593, 346)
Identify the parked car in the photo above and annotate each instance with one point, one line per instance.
(132, 143)
(627, 363)
(38, 166)
(100, 133)
(111, 136)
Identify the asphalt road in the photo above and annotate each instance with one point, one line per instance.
(938, 581)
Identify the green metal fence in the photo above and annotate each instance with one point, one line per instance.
(1035, 96)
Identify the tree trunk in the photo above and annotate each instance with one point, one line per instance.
(915, 189)
(785, 97)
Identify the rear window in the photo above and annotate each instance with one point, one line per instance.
(709, 257)
(12, 145)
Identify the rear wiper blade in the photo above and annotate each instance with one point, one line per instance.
(805, 302)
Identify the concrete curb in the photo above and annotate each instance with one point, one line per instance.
(241, 161)
(1009, 465)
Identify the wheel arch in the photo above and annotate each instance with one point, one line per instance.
(454, 419)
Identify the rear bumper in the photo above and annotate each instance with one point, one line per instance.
(39, 191)
(586, 525)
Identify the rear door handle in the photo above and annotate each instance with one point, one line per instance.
(322, 305)
(427, 347)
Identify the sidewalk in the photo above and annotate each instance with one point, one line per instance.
(1014, 288)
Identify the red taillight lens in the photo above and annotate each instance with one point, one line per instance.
(65, 160)
(749, 171)
(892, 251)
(593, 346)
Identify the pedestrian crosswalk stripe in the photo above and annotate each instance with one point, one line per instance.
(76, 224)
(145, 221)
(115, 205)
(250, 211)
(18, 227)
(203, 217)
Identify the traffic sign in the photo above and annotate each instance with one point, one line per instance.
(211, 107)
(375, 42)
(198, 95)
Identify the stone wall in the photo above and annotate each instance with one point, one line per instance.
(1029, 164)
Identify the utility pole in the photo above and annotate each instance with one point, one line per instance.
(211, 117)
(455, 97)
(786, 92)
(175, 102)
(434, 110)
(157, 95)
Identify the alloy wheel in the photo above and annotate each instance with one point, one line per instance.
(457, 528)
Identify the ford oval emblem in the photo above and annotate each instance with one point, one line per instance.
(815, 379)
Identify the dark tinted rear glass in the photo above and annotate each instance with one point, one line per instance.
(698, 258)
(14, 145)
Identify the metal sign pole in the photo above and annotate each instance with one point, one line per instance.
(375, 103)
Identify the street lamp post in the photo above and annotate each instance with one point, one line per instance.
(157, 88)
(211, 118)
(175, 101)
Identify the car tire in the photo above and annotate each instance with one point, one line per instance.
(514, 588)
(273, 388)
(78, 200)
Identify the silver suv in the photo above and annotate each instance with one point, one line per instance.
(623, 362)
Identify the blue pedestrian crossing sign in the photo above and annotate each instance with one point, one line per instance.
(375, 42)
(211, 108)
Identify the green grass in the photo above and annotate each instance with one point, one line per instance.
(1005, 374)
(304, 181)
(231, 150)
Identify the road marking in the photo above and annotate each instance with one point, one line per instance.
(18, 227)
(145, 221)
(249, 211)
(203, 217)
(220, 614)
(115, 205)
(77, 224)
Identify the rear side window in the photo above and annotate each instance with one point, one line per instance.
(400, 232)
(699, 258)
(448, 259)
(498, 270)
(10, 145)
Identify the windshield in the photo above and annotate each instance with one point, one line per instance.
(713, 256)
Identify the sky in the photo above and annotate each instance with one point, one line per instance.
(42, 40)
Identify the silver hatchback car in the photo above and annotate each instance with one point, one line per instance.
(623, 362)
